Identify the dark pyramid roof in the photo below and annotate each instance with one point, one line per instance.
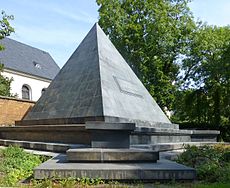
(23, 58)
(96, 83)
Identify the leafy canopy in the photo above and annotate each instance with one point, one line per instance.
(205, 94)
(151, 35)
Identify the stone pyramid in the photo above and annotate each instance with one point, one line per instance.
(96, 84)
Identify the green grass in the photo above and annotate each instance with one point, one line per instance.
(192, 185)
(214, 185)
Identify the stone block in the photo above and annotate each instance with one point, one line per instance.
(96, 125)
(111, 155)
(110, 135)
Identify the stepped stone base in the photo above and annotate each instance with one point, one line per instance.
(111, 155)
(59, 167)
(78, 134)
(62, 148)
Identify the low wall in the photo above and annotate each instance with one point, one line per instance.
(12, 109)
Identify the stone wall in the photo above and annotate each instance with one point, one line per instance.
(12, 109)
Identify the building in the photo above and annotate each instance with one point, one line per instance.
(32, 69)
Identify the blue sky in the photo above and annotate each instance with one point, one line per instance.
(58, 26)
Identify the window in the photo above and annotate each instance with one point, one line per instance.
(43, 90)
(26, 92)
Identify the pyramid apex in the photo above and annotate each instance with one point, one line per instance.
(96, 25)
(96, 28)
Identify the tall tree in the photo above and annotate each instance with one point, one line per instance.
(151, 35)
(207, 73)
(5, 30)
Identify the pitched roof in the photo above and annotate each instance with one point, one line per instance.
(26, 59)
(97, 82)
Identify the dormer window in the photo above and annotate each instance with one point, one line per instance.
(37, 65)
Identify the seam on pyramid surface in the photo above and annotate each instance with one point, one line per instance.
(99, 64)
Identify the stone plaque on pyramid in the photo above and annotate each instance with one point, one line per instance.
(96, 84)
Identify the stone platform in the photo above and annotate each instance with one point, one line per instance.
(163, 170)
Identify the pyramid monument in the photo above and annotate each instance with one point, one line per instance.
(99, 110)
(96, 84)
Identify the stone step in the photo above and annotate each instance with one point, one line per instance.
(170, 146)
(44, 146)
(163, 170)
(111, 155)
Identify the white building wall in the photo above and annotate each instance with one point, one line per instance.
(35, 84)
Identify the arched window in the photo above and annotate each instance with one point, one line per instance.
(43, 90)
(26, 92)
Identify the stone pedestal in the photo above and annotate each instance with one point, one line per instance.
(110, 135)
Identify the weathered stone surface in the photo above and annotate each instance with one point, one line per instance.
(77, 134)
(110, 135)
(61, 147)
(96, 82)
(148, 135)
(111, 155)
(42, 146)
(94, 125)
(162, 170)
(110, 139)
(72, 134)
(170, 146)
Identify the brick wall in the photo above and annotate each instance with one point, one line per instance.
(12, 109)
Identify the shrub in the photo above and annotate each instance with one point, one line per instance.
(211, 162)
(16, 164)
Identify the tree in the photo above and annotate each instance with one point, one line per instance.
(151, 35)
(5, 30)
(206, 79)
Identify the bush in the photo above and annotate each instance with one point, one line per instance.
(211, 162)
(16, 165)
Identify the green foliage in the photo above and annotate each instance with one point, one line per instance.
(214, 185)
(5, 30)
(16, 165)
(211, 162)
(151, 35)
(4, 84)
(205, 94)
(68, 182)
